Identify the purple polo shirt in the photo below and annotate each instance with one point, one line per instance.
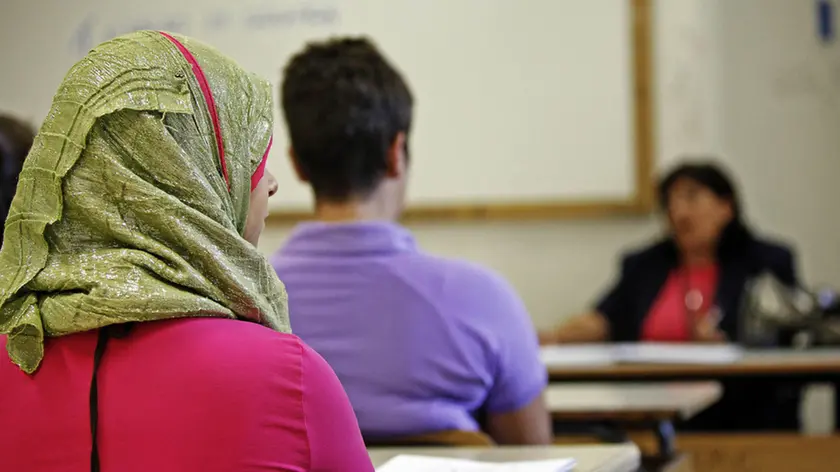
(420, 343)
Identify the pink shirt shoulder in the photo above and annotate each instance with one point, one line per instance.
(195, 394)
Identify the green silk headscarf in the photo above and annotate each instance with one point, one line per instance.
(125, 210)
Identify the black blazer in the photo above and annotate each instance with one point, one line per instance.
(741, 256)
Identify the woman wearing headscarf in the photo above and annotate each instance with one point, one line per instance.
(145, 331)
(15, 140)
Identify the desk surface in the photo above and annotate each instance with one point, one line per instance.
(775, 362)
(630, 401)
(618, 458)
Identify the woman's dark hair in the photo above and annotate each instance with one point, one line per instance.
(707, 174)
(15, 141)
(713, 177)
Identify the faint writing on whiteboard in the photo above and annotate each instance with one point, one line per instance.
(91, 31)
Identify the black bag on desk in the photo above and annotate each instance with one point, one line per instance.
(772, 313)
(828, 302)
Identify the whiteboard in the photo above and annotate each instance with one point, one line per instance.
(518, 103)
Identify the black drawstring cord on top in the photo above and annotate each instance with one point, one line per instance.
(101, 342)
(118, 331)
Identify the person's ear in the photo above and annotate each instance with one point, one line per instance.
(729, 210)
(301, 175)
(396, 158)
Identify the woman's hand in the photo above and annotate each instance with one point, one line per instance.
(706, 328)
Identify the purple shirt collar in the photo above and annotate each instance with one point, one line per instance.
(349, 238)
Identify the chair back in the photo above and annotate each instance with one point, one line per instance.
(452, 438)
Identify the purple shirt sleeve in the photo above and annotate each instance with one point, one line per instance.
(335, 443)
(513, 361)
(520, 374)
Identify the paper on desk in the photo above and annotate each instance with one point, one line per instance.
(577, 355)
(665, 353)
(410, 463)
(597, 355)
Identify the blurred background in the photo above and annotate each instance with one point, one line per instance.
(534, 104)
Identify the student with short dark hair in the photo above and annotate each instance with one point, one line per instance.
(421, 343)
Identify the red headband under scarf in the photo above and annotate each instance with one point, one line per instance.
(214, 115)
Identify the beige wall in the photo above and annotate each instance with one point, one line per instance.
(781, 110)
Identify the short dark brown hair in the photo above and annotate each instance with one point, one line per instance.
(344, 104)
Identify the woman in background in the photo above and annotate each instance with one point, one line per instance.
(688, 287)
(15, 140)
(144, 329)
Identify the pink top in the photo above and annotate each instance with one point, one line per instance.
(204, 394)
(667, 320)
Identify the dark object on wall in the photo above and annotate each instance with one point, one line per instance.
(825, 20)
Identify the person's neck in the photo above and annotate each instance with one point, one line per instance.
(353, 210)
(698, 258)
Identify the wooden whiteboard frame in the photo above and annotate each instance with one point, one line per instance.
(641, 202)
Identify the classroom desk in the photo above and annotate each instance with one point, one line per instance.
(661, 401)
(807, 366)
(612, 458)
(645, 405)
